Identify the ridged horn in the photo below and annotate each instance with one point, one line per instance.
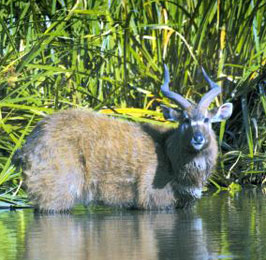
(210, 95)
(178, 99)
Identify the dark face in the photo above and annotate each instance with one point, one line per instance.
(195, 129)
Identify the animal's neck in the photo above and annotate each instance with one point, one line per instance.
(190, 169)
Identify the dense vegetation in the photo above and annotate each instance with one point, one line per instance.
(108, 56)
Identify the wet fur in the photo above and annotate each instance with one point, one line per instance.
(80, 156)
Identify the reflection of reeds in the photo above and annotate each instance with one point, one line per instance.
(109, 54)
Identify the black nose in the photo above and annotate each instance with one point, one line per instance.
(198, 138)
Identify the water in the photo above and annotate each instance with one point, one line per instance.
(217, 227)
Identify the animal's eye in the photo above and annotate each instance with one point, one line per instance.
(206, 120)
(187, 120)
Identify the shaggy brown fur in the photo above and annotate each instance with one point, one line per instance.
(81, 156)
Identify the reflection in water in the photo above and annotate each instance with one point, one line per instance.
(118, 236)
(217, 227)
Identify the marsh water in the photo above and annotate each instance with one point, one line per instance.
(219, 226)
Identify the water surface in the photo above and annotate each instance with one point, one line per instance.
(217, 227)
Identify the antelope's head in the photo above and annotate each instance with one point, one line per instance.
(194, 129)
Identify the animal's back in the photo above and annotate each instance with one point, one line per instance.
(78, 155)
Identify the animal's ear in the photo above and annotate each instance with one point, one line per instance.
(222, 113)
(171, 114)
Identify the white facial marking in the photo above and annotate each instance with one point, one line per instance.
(194, 123)
(196, 145)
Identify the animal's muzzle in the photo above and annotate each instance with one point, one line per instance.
(197, 140)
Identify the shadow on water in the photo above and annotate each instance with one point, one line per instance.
(217, 227)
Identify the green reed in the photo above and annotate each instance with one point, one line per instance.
(109, 54)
